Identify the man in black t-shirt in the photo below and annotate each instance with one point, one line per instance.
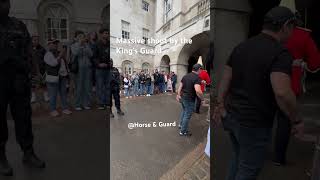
(188, 90)
(142, 81)
(156, 77)
(255, 82)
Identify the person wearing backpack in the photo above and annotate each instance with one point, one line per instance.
(56, 77)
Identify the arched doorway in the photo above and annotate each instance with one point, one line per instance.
(165, 64)
(190, 53)
(127, 67)
(146, 67)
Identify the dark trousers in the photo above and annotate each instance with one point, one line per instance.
(282, 137)
(198, 104)
(15, 91)
(156, 89)
(115, 93)
(174, 86)
(162, 87)
(249, 149)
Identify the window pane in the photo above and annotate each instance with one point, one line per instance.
(49, 34)
(63, 23)
(54, 34)
(49, 22)
(64, 34)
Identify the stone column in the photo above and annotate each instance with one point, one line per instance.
(229, 26)
(180, 70)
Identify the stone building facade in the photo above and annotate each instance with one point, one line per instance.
(60, 18)
(164, 20)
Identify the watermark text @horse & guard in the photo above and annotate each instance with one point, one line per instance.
(151, 125)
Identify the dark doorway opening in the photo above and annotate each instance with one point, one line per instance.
(192, 61)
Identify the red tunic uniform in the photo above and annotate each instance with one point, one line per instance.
(304, 51)
(204, 76)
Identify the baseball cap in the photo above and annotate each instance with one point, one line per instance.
(196, 67)
(279, 15)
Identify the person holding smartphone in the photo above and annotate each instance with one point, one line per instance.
(56, 77)
(82, 53)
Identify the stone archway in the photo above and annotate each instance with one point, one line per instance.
(165, 63)
(190, 53)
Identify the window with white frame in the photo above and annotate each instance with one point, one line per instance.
(56, 23)
(145, 5)
(167, 10)
(146, 67)
(127, 67)
(125, 29)
(145, 35)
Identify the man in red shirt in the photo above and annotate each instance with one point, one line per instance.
(306, 56)
(205, 80)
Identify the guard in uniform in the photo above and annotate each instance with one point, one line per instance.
(115, 89)
(306, 57)
(15, 88)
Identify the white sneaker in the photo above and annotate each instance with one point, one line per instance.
(67, 112)
(87, 108)
(127, 97)
(33, 97)
(46, 96)
(54, 113)
(130, 97)
(78, 109)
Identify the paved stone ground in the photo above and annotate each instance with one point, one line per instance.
(148, 153)
(74, 147)
(200, 170)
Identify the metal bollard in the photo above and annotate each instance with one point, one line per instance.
(316, 161)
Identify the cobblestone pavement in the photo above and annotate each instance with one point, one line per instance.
(200, 170)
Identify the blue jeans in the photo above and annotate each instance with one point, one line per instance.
(149, 89)
(136, 89)
(162, 87)
(142, 89)
(249, 149)
(187, 110)
(101, 83)
(126, 92)
(152, 88)
(53, 90)
(83, 87)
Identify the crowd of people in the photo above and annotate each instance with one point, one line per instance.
(147, 84)
(76, 68)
